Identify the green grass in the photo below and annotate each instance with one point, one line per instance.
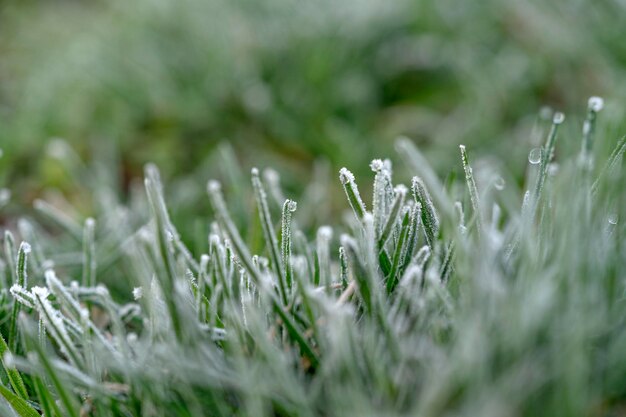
(286, 83)
(444, 298)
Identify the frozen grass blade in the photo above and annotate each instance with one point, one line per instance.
(65, 299)
(289, 208)
(268, 232)
(473, 191)
(343, 268)
(413, 236)
(89, 253)
(430, 219)
(547, 154)
(22, 277)
(166, 274)
(55, 326)
(383, 191)
(323, 238)
(352, 192)
(359, 272)
(594, 106)
(9, 256)
(398, 203)
(392, 279)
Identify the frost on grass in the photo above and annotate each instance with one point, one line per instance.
(595, 103)
(394, 314)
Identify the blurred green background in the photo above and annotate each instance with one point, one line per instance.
(289, 82)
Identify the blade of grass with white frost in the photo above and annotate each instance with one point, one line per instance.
(69, 304)
(54, 325)
(359, 272)
(289, 207)
(448, 262)
(430, 219)
(352, 192)
(473, 190)
(167, 277)
(89, 253)
(22, 278)
(9, 256)
(268, 231)
(546, 157)
(392, 279)
(343, 268)
(322, 241)
(413, 236)
(594, 105)
(398, 203)
(382, 190)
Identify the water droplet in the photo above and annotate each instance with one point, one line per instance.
(595, 103)
(613, 218)
(499, 183)
(558, 118)
(534, 157)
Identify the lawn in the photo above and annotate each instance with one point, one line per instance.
(196, 220)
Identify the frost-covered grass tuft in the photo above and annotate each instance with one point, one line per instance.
(465, 297)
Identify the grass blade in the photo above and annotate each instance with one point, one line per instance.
(352, 192)
(430, 219)
(21, 281)
(268, 232)
(473, 191)
(89, 253)
(19, 405)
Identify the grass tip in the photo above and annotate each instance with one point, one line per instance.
(345, 176)
(558, 118)
(291, 205)
(25, 247)
(595, 103)
(214, 186)
(325, 232)
(377, 165)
